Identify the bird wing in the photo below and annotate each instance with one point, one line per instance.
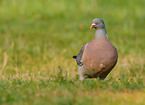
(80, 54)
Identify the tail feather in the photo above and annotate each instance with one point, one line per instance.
(75, 57)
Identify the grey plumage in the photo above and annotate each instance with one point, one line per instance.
(79, 56)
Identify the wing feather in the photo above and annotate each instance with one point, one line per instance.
(79, 56)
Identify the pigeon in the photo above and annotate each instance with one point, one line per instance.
(97, 58)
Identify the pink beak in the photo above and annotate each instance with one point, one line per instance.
(93, 25)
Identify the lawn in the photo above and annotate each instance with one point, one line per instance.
(38, 39)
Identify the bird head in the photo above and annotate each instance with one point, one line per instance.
(98, 24)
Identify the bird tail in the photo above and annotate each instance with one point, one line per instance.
(74, 57)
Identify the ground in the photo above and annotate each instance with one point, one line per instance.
(38, 39)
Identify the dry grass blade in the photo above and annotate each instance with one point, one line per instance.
(4, 62)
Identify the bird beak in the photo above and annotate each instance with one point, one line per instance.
(92, 26)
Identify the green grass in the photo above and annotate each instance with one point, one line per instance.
(38, 39)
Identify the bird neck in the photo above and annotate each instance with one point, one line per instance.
(100, 33)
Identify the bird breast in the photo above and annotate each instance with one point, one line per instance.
(99, 55)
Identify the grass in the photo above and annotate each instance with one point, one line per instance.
(39, 37)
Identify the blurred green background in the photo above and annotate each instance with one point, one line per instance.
(37, 36)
